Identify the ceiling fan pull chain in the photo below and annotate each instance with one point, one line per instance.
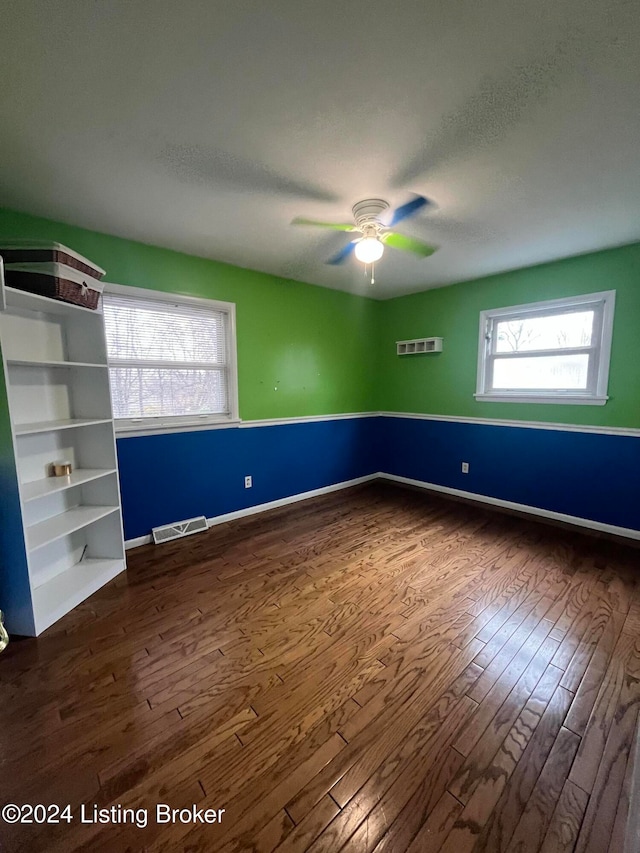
(373, 281)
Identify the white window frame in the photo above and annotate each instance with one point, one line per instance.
(176, 423)
(603, 303)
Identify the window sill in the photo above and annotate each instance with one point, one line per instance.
(567, 400)
(165, 427)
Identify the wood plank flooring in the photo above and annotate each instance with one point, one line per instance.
(374, 670)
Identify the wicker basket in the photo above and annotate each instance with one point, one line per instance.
(29, 252)
(87, 295)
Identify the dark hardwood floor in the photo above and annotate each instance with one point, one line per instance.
(374, 670)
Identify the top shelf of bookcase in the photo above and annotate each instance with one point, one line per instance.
(33, 302)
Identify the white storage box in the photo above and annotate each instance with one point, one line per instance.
(30, 252)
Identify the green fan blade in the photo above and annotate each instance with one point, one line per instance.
(408, 244)
(337, 226)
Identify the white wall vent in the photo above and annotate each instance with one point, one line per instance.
(179, 529)
(419, 345)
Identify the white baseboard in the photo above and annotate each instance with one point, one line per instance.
(627, 532)
(301, 496)
(137, 542)
(253, 510)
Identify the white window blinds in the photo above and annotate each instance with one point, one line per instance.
(166, 359)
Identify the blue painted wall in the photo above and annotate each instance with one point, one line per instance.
(14, 572)
(165, 478)
(588, 475)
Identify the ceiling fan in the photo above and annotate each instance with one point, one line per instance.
(376, 230)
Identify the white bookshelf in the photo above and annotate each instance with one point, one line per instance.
(76, 518)
(25, 362)
(49, 485)
(62, 535)
(56, 425)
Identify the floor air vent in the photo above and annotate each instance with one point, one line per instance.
(179, 529)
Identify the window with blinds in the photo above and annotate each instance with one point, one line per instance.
(170, 361)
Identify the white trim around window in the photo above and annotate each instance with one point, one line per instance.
(157, 424)
(593, 389)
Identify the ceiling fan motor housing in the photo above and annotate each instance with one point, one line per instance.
(368, 211)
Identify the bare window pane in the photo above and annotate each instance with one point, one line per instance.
(140, 392)
(558, 331)
(550, 373)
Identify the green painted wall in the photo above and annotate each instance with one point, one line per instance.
(306, 350)
(302, 350)
(444, 383)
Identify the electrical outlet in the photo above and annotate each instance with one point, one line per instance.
(465, 467)
(248, 482)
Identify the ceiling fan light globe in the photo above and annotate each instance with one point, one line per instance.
(369, 250)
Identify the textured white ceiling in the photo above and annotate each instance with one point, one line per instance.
(207, 126)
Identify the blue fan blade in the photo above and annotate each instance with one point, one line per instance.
(343, 254)
(408, 209)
